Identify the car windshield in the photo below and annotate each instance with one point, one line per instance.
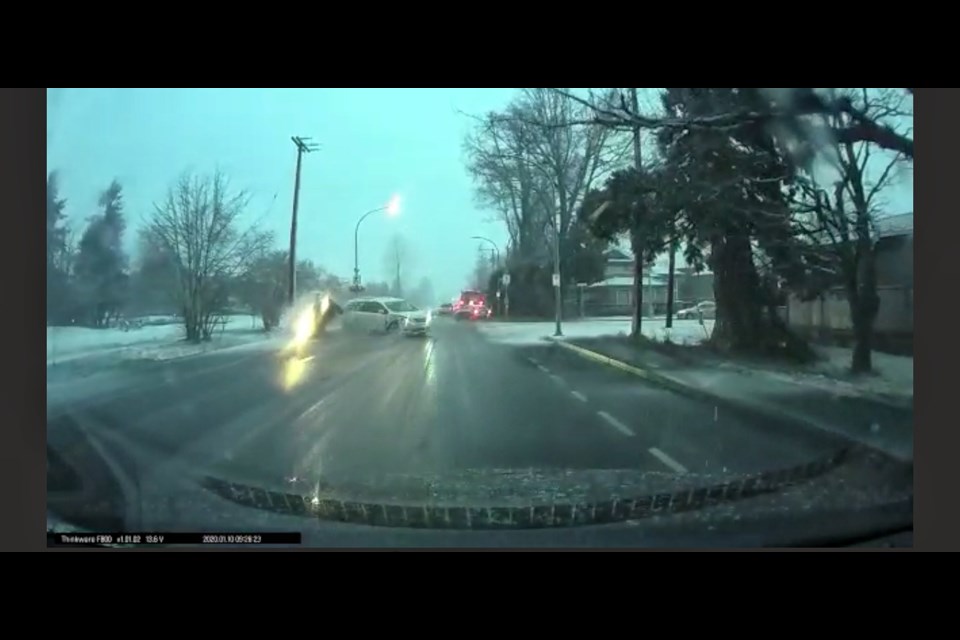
(688, 303)
(400, 306)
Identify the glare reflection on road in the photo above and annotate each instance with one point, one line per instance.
(430, 367)
(295, 371)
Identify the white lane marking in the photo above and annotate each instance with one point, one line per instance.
(667, 460)
(542, 368)
(616, 424)
(579, 396)
(557, 379)
(534, 361)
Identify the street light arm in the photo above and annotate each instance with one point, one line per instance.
(364, 217)
(356, 233)
(495, 247)
(500, 285)
(356, 243)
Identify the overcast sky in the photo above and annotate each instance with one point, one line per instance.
(375, 143)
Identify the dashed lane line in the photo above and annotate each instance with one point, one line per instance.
(616, 424)
(667, 460)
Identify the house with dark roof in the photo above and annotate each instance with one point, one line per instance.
(613, 296)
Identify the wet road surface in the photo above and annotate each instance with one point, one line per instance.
(356, 406)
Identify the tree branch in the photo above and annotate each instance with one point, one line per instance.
(805, 103)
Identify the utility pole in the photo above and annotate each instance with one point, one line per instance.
(303, 146)
(671, 278)
(557, 292)
(637, 246)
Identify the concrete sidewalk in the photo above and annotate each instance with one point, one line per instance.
(878, 425)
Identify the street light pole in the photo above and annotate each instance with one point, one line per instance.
(303, 146)
(391, 208)
(496, 250)
(356, 247)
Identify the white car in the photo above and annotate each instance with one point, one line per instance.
(706, 310)
(385, 315)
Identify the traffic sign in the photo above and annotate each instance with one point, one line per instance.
(556, 279)
(506, 279)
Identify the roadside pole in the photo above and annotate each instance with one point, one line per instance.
(506, 294)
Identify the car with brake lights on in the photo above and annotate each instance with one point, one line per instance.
(472, 305)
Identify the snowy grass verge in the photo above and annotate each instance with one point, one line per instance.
(685, 332)
(65, 344)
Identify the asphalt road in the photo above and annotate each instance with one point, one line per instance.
(357, 406)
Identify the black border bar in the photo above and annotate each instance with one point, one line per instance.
(161, 539)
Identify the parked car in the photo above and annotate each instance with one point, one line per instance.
(385, 315)
(446, 309)
(706, 310)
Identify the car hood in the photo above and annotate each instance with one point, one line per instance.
(539, 507)
(544, 498)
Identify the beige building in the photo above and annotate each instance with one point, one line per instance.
(827, 318)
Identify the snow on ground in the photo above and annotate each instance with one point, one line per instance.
(892, 379)
(892, 375)
(160, 341)
(67, 343)
(519, 333)
(180, 349)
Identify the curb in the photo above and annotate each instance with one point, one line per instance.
(646, 374)
(53, 361)
(135, 352)
(888, 400)
(689, 390)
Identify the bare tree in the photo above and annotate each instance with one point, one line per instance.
(398, 256)
(483, 268)
(571, 159)
(423, 295)
(498, 160)
(198, 223)
(840, 216)
(533, 162)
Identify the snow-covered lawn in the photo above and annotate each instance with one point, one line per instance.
(181, 349)
(519, 333)
(892, 376)
(159, 341)
(892, 379)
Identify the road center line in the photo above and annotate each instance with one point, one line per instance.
(557, 379)
(667, 460)
(542, 368)
(616, 424)
(579, 396)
